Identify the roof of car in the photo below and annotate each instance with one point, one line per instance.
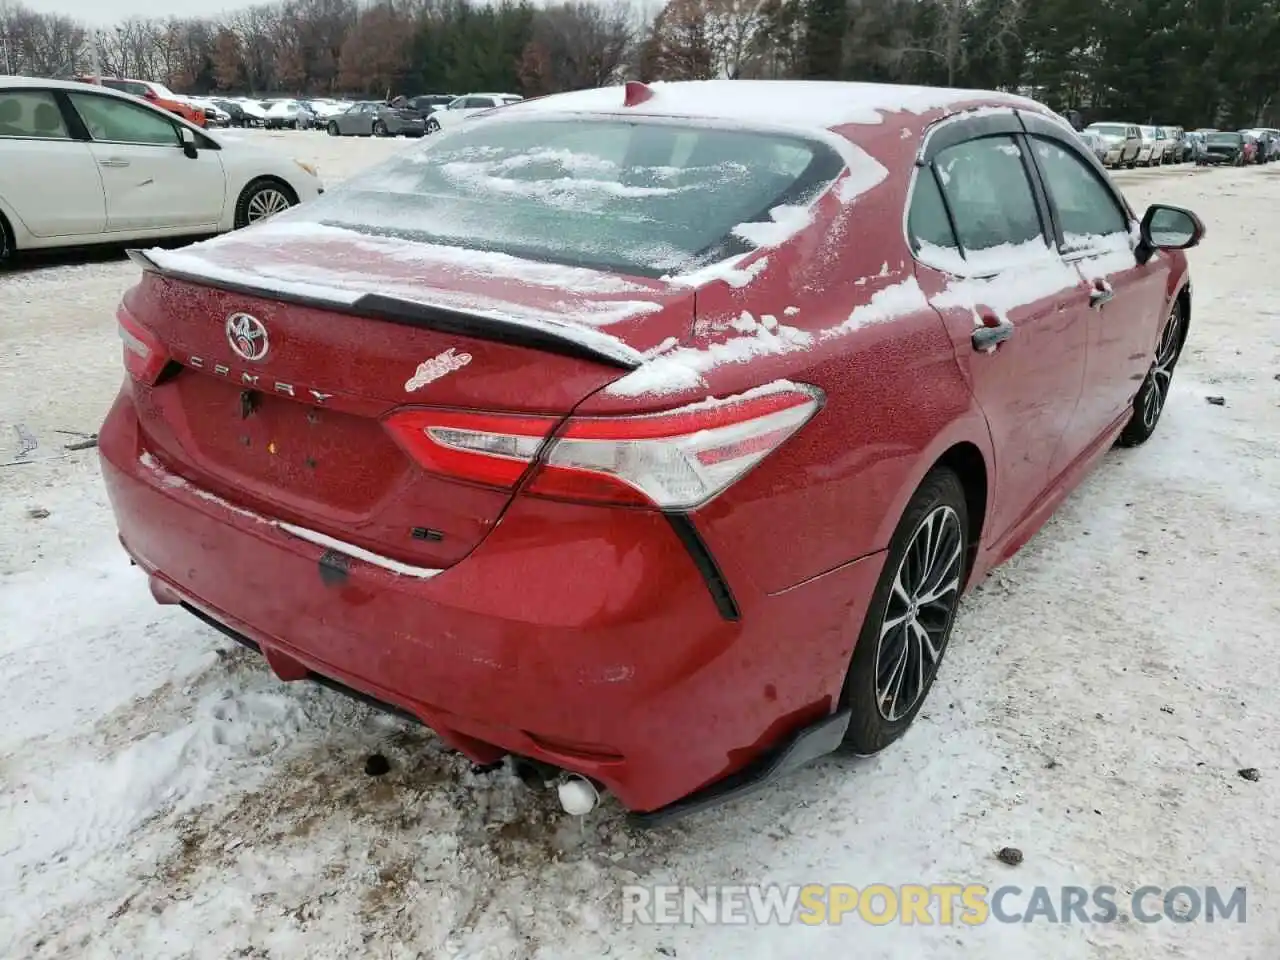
(43, 83)
(806, 103)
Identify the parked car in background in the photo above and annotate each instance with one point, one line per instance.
(1096, 144)
(288, 114)
(1123, 142)
(324, 109)
(372, 118)
(1167, 145)
(1195, 147)
(254, 114)
(1152, 152)
(215, 115)
(1225, 147)
(1273, 144)
(1252, 148)
(428, 103)
(482, 485)
(86, 164)
(155, 93)
(1182, 148)
(1268, 141)
(462, 107)
(236, 117)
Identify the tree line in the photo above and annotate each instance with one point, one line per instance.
(1192, 62)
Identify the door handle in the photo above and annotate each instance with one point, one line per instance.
(113, 162)
(1100, 294)
(989, 336)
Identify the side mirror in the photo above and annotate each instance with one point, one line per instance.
(188, 143)
(1168, 228)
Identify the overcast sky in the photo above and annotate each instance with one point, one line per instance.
(103, 12)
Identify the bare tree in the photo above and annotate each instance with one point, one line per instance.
(732, 29)
(577, 44)
(679, 44)
(375, 53)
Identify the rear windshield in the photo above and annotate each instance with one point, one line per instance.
(637, 197)
(1224, 138)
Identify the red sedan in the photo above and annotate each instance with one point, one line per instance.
(637, 435)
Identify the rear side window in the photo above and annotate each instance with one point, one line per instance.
(990, 197)
(638, 197)
(1085, 207)
(927, 223)
(120, 121)
(31, 113)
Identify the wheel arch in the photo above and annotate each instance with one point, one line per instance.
(260, 180)
(15, 229)
(967, 462)
(965, 449)
(1183, 297)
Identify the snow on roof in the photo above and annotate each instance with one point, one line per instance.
(805, 103)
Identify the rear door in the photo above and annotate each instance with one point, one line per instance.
(1124, 302)
(48, 179)
(979, 232)
(150, 182)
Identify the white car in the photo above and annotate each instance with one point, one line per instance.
(290, 113)
(468, 105)
(1152, 152)
(324, 109)
(83, 164)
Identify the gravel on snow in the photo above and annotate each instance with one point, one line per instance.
(162, 795)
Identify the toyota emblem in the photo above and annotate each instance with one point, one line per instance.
(247, 336)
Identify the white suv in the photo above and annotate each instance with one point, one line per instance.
(469, 105)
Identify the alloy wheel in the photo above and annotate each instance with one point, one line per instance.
(267, 202)
(1162, 371)
(918, 612)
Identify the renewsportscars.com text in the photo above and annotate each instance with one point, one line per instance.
(940, 904)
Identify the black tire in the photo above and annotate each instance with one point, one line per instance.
(7, 249)
(1151, 398)
(938, 506)
(261, 190)
(333, 129)
(380, 129)
(433, 125)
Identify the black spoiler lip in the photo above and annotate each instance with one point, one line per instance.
(377, 306)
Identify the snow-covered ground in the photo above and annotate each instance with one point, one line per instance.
(162, 795)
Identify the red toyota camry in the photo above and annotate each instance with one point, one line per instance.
(650, 434)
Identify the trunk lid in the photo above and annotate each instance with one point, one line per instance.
(289, 424)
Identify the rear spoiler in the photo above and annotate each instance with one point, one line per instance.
(565, 341)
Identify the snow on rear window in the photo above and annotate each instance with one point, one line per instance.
(642, 197)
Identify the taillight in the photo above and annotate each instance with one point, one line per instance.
(674, 460)
(493, 449)
(144, 354)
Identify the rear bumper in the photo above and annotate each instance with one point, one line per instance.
(580, 636)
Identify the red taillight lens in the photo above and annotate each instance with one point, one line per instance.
(674, 460)
(144, 354)
(488, 448)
